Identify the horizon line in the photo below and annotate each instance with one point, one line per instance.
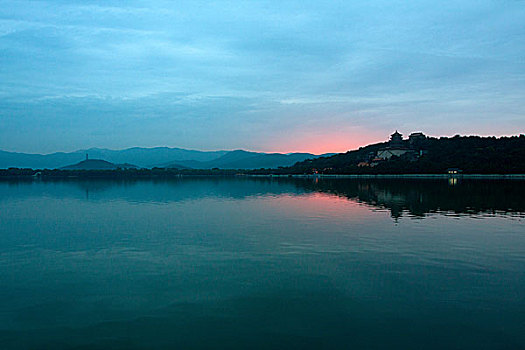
(252, 150)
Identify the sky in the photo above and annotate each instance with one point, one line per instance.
(274, 76)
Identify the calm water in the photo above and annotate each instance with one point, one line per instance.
(261, 263)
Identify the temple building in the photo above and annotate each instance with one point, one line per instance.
(416, 140)
(410, 149)
(395, 148)
(396, 140)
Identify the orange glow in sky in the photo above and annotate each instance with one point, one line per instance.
(337, 142)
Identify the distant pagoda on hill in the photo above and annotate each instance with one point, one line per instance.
(396, 140)
(397, 147)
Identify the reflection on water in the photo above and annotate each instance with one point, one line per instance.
(421, 197)
(197, 263)
(411, 197)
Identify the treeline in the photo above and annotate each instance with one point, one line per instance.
(112, 174)
(471, 154)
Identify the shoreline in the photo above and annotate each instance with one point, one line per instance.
(402, 176)
(123, 175)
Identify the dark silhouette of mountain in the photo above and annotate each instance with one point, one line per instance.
(240, 159)
(150, 157)
(179, 166)
(470, 154)
(232, 156)
(163, 157)
(98, 164)
(142, 157)
(273, 160)
(38, 161)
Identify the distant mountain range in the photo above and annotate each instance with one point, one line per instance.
(245, 160)
(156, 157)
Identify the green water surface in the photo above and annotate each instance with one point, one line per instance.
(243, 263)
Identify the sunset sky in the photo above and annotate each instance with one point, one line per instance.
(283, 76)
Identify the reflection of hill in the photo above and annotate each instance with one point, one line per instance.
(419, 197)
(151, 190)
(400, 196)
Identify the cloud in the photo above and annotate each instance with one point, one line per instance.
(231, 74)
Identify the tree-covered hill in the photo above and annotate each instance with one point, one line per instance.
(471, 154)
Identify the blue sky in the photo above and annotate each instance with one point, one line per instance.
(316, 76)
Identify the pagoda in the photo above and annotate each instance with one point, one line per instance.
(396, 140)
(395, 148)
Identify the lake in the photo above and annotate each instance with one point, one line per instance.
(262, 263)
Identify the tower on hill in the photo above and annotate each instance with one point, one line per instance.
(396, 140)
(395, 148)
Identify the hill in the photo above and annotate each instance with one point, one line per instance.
(240, 159)
(156, 157)
(97, 164)
(142, 157)
(470, 154)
